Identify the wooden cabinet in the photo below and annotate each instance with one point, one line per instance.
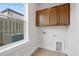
(55, 16)
(64, 14)
(42, 17)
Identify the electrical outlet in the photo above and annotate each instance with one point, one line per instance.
(44, 32)
(54, 35)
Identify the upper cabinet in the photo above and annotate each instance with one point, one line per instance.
(64, 14)
(42, 17)
(54, 16)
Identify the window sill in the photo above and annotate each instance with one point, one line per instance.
(12, 45)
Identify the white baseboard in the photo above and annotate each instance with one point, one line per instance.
(33, 50)
(47, 47)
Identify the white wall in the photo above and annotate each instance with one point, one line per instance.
(77, 28)
(73, 32)
(70, 34)
(48, 40)
(26, 48)
(71, 41)
(33, 30)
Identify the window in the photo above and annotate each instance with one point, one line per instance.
(11, 27)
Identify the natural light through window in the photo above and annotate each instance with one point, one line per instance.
(11, 22)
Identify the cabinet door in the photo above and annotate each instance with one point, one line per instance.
(53, 16)
(42, 17)
(64, 15)
(37, 18)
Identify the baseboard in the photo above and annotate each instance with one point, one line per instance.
(33, 50)
(47, 47)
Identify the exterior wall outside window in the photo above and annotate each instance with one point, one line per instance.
(11, 30)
